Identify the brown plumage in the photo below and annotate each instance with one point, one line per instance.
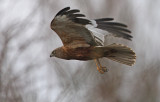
(80, 44)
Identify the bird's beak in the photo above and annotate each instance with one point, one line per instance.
(51, 55)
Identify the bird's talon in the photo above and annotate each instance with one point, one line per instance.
(105, 69)
(100, 70)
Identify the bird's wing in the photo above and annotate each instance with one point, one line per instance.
(70, 27)
(115, 29)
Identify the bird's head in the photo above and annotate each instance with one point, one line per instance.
(53, 54)
(59, 53)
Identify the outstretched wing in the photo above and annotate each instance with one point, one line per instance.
(116, 29)
(70, 27)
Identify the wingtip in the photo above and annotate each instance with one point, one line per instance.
(62, 11)
(104, 19)
(68, 7)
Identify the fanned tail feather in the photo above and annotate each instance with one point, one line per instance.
(120, 53)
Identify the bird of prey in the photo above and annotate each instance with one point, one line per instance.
(79, 43)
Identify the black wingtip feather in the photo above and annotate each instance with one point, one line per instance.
(74, 16)
(112, 24)
(72, 11)
(82, 21)
(62, 11)
(78, 15)
(120, 34)
(117, 29)
(104, 19)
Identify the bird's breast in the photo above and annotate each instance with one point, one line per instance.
(81, 53)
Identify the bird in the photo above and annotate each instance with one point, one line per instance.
(79, 42)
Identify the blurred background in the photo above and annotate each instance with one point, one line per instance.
(28, 74)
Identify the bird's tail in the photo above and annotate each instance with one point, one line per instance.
(120, 53)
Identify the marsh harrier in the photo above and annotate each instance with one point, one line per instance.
(79, 43)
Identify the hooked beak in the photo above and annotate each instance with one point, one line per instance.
(51, 55)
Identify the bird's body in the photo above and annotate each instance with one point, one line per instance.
(80, 53)
(115, 52)
(80, 44)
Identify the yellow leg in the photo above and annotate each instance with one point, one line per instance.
(99, 67)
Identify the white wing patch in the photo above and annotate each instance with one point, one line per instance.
(98, 34)
(94, 24)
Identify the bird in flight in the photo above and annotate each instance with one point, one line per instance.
(79, 42)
